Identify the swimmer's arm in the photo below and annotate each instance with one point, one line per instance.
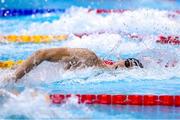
(53, 55)
(28, 64)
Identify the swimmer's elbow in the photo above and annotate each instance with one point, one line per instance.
(18, 75)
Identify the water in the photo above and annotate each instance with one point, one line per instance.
(147, 19)
(126, 4)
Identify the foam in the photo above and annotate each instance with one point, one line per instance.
(77, 20)
(25, 105)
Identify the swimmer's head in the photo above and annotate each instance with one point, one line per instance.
(131, 62)
(128, 63)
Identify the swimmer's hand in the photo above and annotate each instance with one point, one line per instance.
(131, 62)
(7, 80)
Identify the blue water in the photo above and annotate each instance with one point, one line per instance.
(149, 18)
(114, 4)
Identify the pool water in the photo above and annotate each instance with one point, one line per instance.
(148, 18)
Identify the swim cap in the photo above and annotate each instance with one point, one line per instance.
(134, 62)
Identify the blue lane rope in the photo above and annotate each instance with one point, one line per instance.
(25, 12)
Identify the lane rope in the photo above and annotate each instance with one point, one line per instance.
(26, 12)
(33, 38)
(9, 63)
(173, 40)
(119, 99)
(162, 39)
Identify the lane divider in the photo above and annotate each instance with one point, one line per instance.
(33, 38)
(170, 39)
(103, 11)
(108, 11)
(162, 39)
(9, 63)
(140, 100)
(173, 40)
(26, 12)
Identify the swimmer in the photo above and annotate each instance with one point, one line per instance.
(71, 58)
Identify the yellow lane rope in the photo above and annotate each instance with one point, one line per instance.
(33, 38)
(9, 63)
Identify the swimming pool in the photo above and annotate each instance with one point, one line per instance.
(148, 19)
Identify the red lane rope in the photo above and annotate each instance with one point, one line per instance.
(101, 11)
(171, 14)
(80, 35)
(178, 11)
(162, 39)
(174, 40)
(151, 100)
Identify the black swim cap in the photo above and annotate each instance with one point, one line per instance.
(134, 61)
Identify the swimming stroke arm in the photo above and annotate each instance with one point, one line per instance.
(53, 55)
(28, 64)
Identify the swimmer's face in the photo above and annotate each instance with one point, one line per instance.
(131, 62)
